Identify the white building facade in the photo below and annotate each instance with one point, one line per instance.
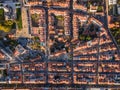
(112, 2)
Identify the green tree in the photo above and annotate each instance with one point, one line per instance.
(8, 22)
(35, 17)
(118, 1)
(82, 37)
(88, 38)
(100, 8)
(2, 14)
(66, 48)
(19, 18)
(4, 28)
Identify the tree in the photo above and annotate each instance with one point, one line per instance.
(5, 73)
(8, 22)
(36, 38)
(88, 38)
(35, 16)
(92, 27)
(5, 29)
(100, 8)
(66, 48)
(88, 5)
(118, 1)
(82, 37)
(2, 15)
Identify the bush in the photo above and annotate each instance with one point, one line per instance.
(100, 9)
(88, 38)
(1, 4)
(5, 28)
(82, 37)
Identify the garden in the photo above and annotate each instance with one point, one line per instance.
(35, 20)
(90, 35)
(5, 25)
(60, 21)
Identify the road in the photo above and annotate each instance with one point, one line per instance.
(107, 26)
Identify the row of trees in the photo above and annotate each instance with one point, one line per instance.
(5, 25)
(100, 9)
(19, 18)
(85, 37)
(116, 33)
(2, 15)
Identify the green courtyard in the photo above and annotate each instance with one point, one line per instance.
(7, 25)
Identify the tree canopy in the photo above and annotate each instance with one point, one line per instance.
(5, 29)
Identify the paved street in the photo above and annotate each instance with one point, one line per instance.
(65, 73)
(106, 23)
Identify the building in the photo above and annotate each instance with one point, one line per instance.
(98, 89)
(19, 50)
(93, 9)
(118, 9)
(112, 2)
